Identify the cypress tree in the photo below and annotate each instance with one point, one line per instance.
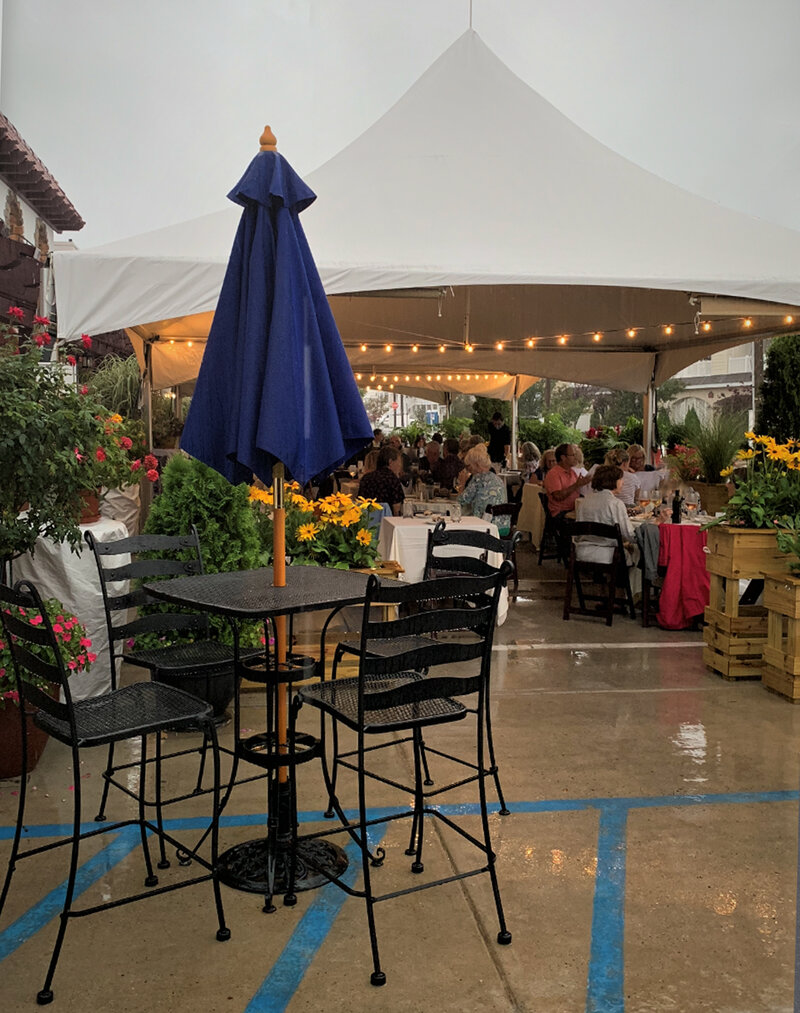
(779, 401)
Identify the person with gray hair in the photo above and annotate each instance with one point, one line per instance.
(483, 488)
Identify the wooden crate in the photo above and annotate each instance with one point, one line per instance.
(782, 649)
(734, 634)
(743, 553)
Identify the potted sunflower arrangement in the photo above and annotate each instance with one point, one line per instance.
(339, 531)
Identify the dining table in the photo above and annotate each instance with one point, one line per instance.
(405, 539)
(680, 565)
(262, 865)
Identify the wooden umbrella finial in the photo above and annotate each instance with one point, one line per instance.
(267, 140)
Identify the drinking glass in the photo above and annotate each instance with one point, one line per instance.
(692, 502)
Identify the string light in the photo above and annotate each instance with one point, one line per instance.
(363, 348)
(469, 348)
(373, 378)
(396, 379)
(499, 346)
(562, 340)
(631, 332)
(438, 377)
(172, 341)
(408, 378)
(707, 325)
(358, 376)
(386, 379)
(449, 377)
(442, 349)
(189, 344)
(388, 348)
(788, 319)
(597, 336)
(417, 377)
(415, 348)
(531, 342)
(668, 330)
(748, 322)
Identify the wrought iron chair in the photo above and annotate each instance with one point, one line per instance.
(200, 664)
(551, 536)
(138, 710)
(395, 691)
(505, 517)
(443, 557)
(612, 575)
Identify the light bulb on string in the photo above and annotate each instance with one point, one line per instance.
(788, 319)
(631, 332)
(597, 336)
(189, 344)
(363, 348)
(388, 348)
(442, 349)
(668, 330)
(499, 346)
(747, 322)
(415, 348)
(562, 339)
(706, 326)
(531, 342)
(469, 348)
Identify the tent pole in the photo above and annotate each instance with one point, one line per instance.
(514, 428)
(279, 580)
(648, 407)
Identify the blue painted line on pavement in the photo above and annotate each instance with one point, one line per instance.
(50, 906)
(605, 979)
(280, 985)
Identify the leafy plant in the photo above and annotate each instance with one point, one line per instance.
(716, 442)
(770, 487)
(453, 427)
(779, 404)
(684, 463)
(597, 443)
(788, 537)
(73, 644)
(337, 531)
(411, 433)
(193, 493)
(116, 384)
(166, 424)
(547, 432)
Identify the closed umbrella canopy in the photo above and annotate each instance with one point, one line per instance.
(275, 385)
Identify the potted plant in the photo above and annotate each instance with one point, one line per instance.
(56, 443)
(75, 649)
(716, 443)
(338, 531)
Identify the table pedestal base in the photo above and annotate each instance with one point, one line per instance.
(245, 866)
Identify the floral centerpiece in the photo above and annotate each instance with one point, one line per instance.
(56, 440)
(767, 477)
(338, 531)
(73, 644)
(684, 463)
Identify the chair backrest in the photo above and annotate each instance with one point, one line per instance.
(156, 556)
(468, 605)
(38, 664)
(475, 563)
(592, 529)
(504, 515)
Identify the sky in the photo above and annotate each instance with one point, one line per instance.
(147, 112)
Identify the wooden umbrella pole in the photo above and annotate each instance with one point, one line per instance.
(279, 580)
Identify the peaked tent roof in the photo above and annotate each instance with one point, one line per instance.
(481, 202)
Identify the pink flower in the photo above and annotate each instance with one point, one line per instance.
(47, 339)
(39, 339)
(67, 637)
(87, 341)
(58, 628)
(85, 642)
(135, 465)
(100, 454)
(84, 389)
(126, 442)
(15, 311)
(92, 657)
(69, 623)
(2, 672)
(81, 660)
(71, 360)
(44, 321)
(152, 475)
(130, 643)
(78, 454)
(36, 620)
(150, 461)
(72, 665)
(12, 694)
(59, 619)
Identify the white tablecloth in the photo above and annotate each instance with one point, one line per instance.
(405, 539)
(58, 572)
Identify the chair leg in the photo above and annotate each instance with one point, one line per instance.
(150, 879)
(611, 597)
(45, 994)
(210, 732)
(417, 865)
(163, 861)
(568, 589)
(201, 771)
(579, 591)
(629, 594)
(377, 977)
(23, 790)
(503, 935)
(504, 810)
(109, 771)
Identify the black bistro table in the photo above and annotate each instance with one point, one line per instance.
(263, 865)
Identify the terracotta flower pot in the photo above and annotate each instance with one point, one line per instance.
(90, 510)
(11, 741)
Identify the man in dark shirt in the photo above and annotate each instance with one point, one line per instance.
(499, 439)
(448, 468)
(383, 484)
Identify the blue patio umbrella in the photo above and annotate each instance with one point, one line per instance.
(275, 386)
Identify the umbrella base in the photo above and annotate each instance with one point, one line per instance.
(247, 866)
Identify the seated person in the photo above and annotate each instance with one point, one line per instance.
(561, 484)
(485, 487)
(547, 462)
(603, 506)
(449, 467)
(636, 459)
(530, 456)
(630, 483)
(383, 484)
(433, 452)
(397, 443)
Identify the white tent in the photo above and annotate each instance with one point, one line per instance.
(472, 213)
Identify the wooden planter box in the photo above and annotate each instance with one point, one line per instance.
(713, 496)
(781, 672)
(735, 635)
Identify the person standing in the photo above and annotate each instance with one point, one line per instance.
(499, 439)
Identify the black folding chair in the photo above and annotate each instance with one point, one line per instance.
(196, 662)
(505, 517)
(552, 544)
(139, 710)
(395, 691)
(611, 575)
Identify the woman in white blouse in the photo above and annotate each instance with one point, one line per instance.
(603, 506)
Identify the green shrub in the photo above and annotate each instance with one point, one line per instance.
(547, 432)
(452, 428)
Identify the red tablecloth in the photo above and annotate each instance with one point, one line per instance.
(684, 593)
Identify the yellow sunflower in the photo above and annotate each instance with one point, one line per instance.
(307, 532)
(260, 495)
(364, 536)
